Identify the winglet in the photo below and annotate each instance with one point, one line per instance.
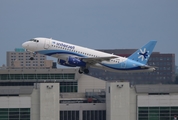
(142, 55)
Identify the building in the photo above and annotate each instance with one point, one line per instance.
(21, 59)
(165, 72)
(43, 94)
(64, 94)
(141, 102)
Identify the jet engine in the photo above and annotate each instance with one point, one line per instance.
(63, 62)
(76, 62)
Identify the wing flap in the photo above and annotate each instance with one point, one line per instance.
(93, 60)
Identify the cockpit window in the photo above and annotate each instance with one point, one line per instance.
(34, 40)
(31, 40)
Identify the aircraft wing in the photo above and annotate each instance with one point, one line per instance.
(93, 60)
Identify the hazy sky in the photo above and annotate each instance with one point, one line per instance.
(97, 24)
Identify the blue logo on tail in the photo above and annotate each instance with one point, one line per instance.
(143, 54)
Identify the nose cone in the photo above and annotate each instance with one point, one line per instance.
(24, 45)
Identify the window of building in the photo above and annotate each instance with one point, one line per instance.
(15, 113)
(69, 115)
(94, 115)
(68, 87)
(16, 84)
(157, 113)
(70, 76)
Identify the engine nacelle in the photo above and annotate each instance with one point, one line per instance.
(63, 62)
(76, 62)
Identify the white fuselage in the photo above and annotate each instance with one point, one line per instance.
(62, 51)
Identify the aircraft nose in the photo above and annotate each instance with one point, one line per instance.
(24, 45)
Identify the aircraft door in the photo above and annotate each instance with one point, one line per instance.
(47, 44)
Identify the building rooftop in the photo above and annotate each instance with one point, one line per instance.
(157, 88)
(37, 75)
(15, 90)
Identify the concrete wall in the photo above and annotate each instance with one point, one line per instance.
(35, 104)
(133, 104)
(118, 101)
(157, 100)
(15, 102)
(88, 82)
(49, 101)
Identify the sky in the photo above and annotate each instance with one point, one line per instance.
(96, 24)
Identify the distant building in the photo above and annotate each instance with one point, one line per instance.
(176, 70)
(165, 72)
(20, 59)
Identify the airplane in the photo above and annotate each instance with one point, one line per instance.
(76, 56)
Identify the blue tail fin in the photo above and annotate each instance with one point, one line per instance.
(142, 55)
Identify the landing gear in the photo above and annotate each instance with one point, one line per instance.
(85, 70)
(80, 71)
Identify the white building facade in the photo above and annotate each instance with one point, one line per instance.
(63, 94)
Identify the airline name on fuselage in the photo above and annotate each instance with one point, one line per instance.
(63, 45)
